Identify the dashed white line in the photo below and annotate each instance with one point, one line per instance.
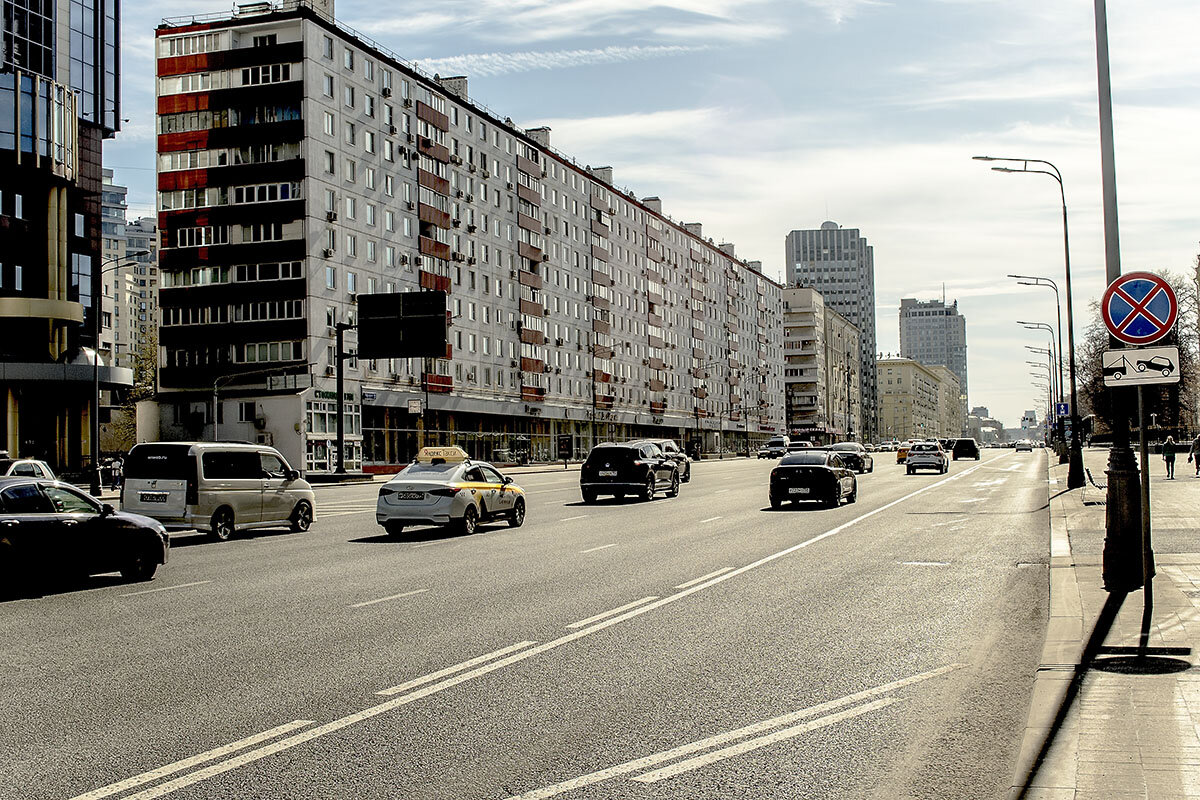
(441, 673)
(165, 588)
(601, 547)
(569, 519)
(389, 597)
(720, 491)
(431, 544)
(710, 519)
(925, 563)
(703, 578)
(346, 513)
(610, 613)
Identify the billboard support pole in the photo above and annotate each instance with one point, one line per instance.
(340, 329)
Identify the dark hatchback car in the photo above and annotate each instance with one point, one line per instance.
(639, 468)
(965, 448)
(671, 450)
(818, 475)
(854, 456)
(49, 529)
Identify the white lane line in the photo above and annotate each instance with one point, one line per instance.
(710, 519)
(703, 578)
(925, 563)
(720, 491)
(609, 613)
(601, 547)
(974, 500)
(342, 514)
(390, 597)
(569, 519)
(164, 588)
(745, 747)
(331, 727)
(431, 544)
(637, 765)
(187, 763)
(441, 673)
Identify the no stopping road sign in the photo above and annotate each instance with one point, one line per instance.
(1139, 308)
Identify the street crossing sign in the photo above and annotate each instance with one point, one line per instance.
(1139, 308)
(1141, 366)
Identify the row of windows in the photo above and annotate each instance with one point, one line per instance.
(225, 118)
(227, 195)
(203, 276)
(225, 157)
(234, 312)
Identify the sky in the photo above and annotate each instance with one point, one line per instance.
(757, 117)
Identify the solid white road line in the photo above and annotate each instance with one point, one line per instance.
(164, 588)
(599, 617)
(710, 519)
(390, 597)
(639, 764)
(418, 694)
(187, 763)
(601, 547)
(745, 747)
(703, 578)
(344, 513)
(925, 563)
(569, 519)
(441, 673)
(720, 491)
(431, 544)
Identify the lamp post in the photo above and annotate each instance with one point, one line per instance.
(97, 310)
(1042, 326)
(1034, 280)
(1075, 477)
(1049, 354)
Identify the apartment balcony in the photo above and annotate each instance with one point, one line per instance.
(529, 195)
(657, 364)
(434, 117)
(700, 392)
(534, 365)
(532, 336)
(435, 282)
(600, 326)
(604, 402)
(433, 216)
(432, 247)
(531, 308)
(533, 394)
(658, 407)
(530, 252)
(530, 279)
(434, 150)
(439, 384)
(656, 385)
(433, 182)
(600, 376)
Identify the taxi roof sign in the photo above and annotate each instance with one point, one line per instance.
(446, 455)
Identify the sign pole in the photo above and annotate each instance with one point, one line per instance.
(1147, 550)
(340, 330)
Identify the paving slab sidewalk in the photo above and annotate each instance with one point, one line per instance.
(1130, 727)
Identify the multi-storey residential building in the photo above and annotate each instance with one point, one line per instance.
(142, 237)
(301, 164)
(909, 393)
(59, 87)
(821, 384)
(839, 263)
(935, 333)
(952, 419)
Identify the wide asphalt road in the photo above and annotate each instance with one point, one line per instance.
(697, 647)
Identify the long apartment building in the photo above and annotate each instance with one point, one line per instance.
(821, 382)
(300, 164)
(917, 401)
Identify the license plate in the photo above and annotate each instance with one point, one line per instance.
(152, 497)
(799, 490)
(608, 473)
(410, 495)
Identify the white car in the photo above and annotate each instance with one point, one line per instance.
(445, 487)
(926, 455)
(26, 467)
(1024, 444)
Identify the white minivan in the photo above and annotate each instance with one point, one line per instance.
(220, 487)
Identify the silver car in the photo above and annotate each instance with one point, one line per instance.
(927, 455)
(445, 487)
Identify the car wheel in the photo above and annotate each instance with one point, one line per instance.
(1166, 373)
(222, 525)
(517, 519)
(776, 503)
(302, 517)
(910, 470)
(393, 528)
(648, 490)
(835, 500)
(853, 496)
(687, 476)
(674, 490)
(141, 566)
(1141, 367)
(469, 521)
(589, 495)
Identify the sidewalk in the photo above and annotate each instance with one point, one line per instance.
(1127, 727)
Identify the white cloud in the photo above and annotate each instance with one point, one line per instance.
(842, 10)
(489, 64)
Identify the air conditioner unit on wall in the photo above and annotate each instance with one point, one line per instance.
(386, 91)
(327, 252)
(329, 370)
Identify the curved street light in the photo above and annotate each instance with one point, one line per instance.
(1036, 280)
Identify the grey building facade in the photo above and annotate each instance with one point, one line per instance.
(839, 264)
(933, 332)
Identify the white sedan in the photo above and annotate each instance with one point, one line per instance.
(445, 487)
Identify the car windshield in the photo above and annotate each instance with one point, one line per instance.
(845, 446)
(428, 471)
(805, 459)
(159, 462)
(613, 455)
(924, 448)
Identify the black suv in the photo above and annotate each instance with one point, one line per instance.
(683, 463)
(965, 448)
(639, 468)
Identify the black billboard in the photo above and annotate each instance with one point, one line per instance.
(402, 325)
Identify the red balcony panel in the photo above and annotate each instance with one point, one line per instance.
(600, 376)
(600, 253)
(700, 392)
(532, 365)
(435, 282)
(697, 352)
(529, 166)
(431, 181)
(529, 223)
(529, 251)
(657, 363)
(604, 402)
(697, 294)
(434, 117)
(699, 372)
(181, 65)
(532, 336)
(654, 254)
(531, 279)
(657, 386)
(698, 313)
(434, 150)
(434, 216)
(179, 103)
(653, 233)
(533, 394)
(600, 229)
(654, 298)
(603, 352)
(183, 179)
(529, 195)
(601, 278)
(657, 407)
(600, 326)
(734, 346)
(655, 319)
(699, 412)
(598, 202)
(532, 308)
(189, 140)
(432, 247)
(654, 341)
(600, 302)
(442, 384)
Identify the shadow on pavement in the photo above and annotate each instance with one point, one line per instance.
(201, 537)
(39, 586)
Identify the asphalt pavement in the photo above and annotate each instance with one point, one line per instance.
(700, 646)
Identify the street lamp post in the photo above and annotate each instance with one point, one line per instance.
(97, 311)
(1034, 280)
(1054, 355)
(1075, 477)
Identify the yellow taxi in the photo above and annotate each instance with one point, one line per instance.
(902, 451)
(443, 486)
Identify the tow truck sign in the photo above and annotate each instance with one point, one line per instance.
(1141, 366)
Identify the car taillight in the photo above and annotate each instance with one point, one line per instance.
(448, 491)
(774, 474)
(384, 491)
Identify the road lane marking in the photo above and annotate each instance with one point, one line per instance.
(637, 765)
(342, 514)
(165, 588)
(431, 544)
(925, 563)
(450, 682)
(601, 547)
(703, 578)
(390, 597)
(598, 617)
(441, 673)
(569, 519)
(710, 519)
(187, 763)
(720, 491)
(754, 744)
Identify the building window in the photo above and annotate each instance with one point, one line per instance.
(328, 85)
(330, 277)
(327, 47)
(348, 60)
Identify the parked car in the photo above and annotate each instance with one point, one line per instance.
(216, 486)
(854, 456)
(443, 486)
(818, 475)
(776, 447)
(26, 468)
(965, 448)
(671, 450)
(927, 455)
(627, 468)
(48, 527)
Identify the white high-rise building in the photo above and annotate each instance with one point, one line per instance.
(933, 332)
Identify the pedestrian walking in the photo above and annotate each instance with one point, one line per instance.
(1169, 457)
(1194, 455)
